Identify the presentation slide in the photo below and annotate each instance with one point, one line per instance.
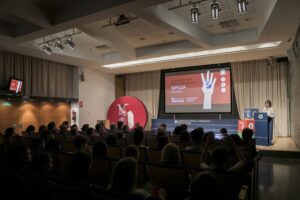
(198, 91)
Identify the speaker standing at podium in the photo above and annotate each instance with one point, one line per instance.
(271, 114)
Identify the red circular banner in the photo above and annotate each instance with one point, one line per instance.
(129, 110)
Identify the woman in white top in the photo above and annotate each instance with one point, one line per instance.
(269, 109)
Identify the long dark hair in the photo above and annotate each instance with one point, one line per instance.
(269, 102)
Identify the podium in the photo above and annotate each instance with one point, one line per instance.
(263, 129)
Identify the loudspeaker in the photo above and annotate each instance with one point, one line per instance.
(82, 76)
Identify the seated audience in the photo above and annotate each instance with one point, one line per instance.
(53, 145)
(84, 128)
(80, 167)
(74, 131)
(177, 130)
(112, 129)
(120, 125)
(99, 149)
(66, 124)
(184, 127)
(111, 140)
(184, 136)
(42, 128)
(160, 132)
(52, 128)
(170, 155)
(41, 163)
(81, 144)
(16, 158)
(162, 142)
(132, 151)
(204, 186)
(29, 132)
(138, 137)
(90, 132)
(196, 136)
(164, 126)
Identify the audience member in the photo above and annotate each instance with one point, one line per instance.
(29, 132)
(52, 127)
(164, 126)
(132, 151)
(53, 145)
(196, 136)
(120, 125)
(80, 167)
(111, 140)
(184, 136)
(177, 130)
(42, 128)
(162, 142)
(160, 132)
(204, 186)
(84, 128)
(74, 131)
(184, 127)
(138, 137)
(112, 129)
(17, 158)
(41, 163)
(170, 155)
(80, 143)
(99, 149)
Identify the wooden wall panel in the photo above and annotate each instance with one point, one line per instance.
(36, 113)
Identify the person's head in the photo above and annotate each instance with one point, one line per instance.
(197, 135)
(160, 132)
(63, 129)
(74, 131)
(120, 124)
(112, 127)
(204, 186)
(80, 143)
(9, 132)
(17, 157)
(66, 123)
(41, 163)
(137, 125)
(51, 126)
(268, 103)
(223, 130)
(236, 139)
(85, 127)
(42, 128)
(99, 127)
(125, 128)
(52, 144)
(79, 168)
(100, 149)
(170, 155)
(74, 126)
(164, 126)
(124, 176)
(138, 137)
(208, 135)
(132, 151)
(30, 129)
(177, 130)
(219, 156)
(45, 134)
(184, 127)
(184, 136)
(90, 131)
(247, 134)
(119, 133)
(162, 142)
(111, 139)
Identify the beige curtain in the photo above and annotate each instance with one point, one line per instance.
(41, 78)
(255, 82)
(145, 86)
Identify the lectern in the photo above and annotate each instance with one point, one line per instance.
(263, 129)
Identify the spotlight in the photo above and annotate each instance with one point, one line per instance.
(215, 10)
(70, 43)
(59, 46)
(47, 50)
(242, 6)
(195, 14)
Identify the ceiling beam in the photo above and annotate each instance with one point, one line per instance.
(112, 40)
(162, 16)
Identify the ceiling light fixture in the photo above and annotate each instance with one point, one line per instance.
(59, 46)
(215, 9)
(242, 6)
(195, 14)
(47, 50)
(70, 43)
(196, 54)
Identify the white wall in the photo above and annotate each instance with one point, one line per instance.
(97, 92)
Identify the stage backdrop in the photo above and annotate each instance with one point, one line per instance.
(254, 82)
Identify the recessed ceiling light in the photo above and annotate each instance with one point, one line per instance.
(196, 54)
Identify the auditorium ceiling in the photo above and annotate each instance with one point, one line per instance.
(110, 32)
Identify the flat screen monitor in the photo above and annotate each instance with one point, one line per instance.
(15, 86)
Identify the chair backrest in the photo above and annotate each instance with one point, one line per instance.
(154, 155)
(173, 179)
(174, 138)
(8, 184)
(229, 185)
(29, 182)
(143, 154)
(114, 152)
(142, 178)
(192, 159)
(62, 191)
(152, 143)
(69, 147)
(183, 145)
(101, 171)
(64, 160)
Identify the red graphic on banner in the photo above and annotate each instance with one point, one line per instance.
(247, 123)
(187, 89)
(15, 86)
(129, 110)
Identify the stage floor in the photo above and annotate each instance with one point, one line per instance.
(281, 144)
